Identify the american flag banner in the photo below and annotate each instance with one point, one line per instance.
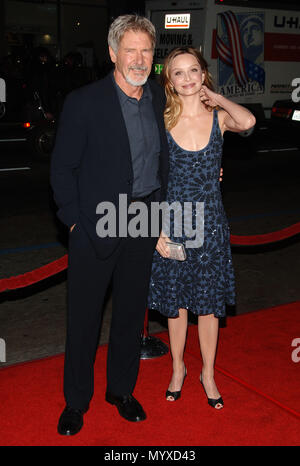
(239, 43)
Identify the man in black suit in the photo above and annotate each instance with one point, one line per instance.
(110, 141)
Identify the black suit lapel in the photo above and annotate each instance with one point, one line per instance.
(159, 102)
(111, 105)
(158, 107)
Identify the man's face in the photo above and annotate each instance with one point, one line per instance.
(133, 60)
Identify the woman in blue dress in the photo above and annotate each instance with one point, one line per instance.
(195, 118)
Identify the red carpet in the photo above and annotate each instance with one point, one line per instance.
(255, 373)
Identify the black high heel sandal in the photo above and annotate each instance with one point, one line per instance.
(176, 395)
(213, 402)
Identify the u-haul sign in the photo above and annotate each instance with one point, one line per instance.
(179, 21)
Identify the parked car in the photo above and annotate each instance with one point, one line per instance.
(21, 124)
(285, 119)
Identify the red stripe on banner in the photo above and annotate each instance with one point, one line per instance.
(238, 44)
(277, 46)
(236, 68)
(223, 51)
(282, 47)
(238, 52)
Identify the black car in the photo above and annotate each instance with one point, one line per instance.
(24, 124)
(285, 119)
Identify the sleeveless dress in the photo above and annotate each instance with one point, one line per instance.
(204, 283)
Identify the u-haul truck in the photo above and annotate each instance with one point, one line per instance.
(253, 51)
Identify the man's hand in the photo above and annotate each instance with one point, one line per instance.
(72, 227)
(221, 174)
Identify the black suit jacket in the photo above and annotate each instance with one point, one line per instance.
(91, 161)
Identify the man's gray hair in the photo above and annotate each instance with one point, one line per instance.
(126, 23)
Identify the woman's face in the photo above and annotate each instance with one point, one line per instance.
(186, 74)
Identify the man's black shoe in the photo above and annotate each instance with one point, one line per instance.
(70, 421)
(128, 407)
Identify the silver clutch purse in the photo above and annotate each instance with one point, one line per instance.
(177, 251)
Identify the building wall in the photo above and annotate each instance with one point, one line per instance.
(34, 24)
(3, 45)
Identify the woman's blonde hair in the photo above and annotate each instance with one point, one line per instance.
(174, 106)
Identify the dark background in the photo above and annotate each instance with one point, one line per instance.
(261, 194)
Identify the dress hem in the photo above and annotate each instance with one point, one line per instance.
(195, 312)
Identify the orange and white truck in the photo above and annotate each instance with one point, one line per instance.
(252, 48)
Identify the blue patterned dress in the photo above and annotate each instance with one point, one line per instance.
(204, 282)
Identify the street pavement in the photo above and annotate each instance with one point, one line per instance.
(261, 194)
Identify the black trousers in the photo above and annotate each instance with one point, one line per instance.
(129, 268)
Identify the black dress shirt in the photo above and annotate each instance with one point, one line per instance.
(144, 140)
